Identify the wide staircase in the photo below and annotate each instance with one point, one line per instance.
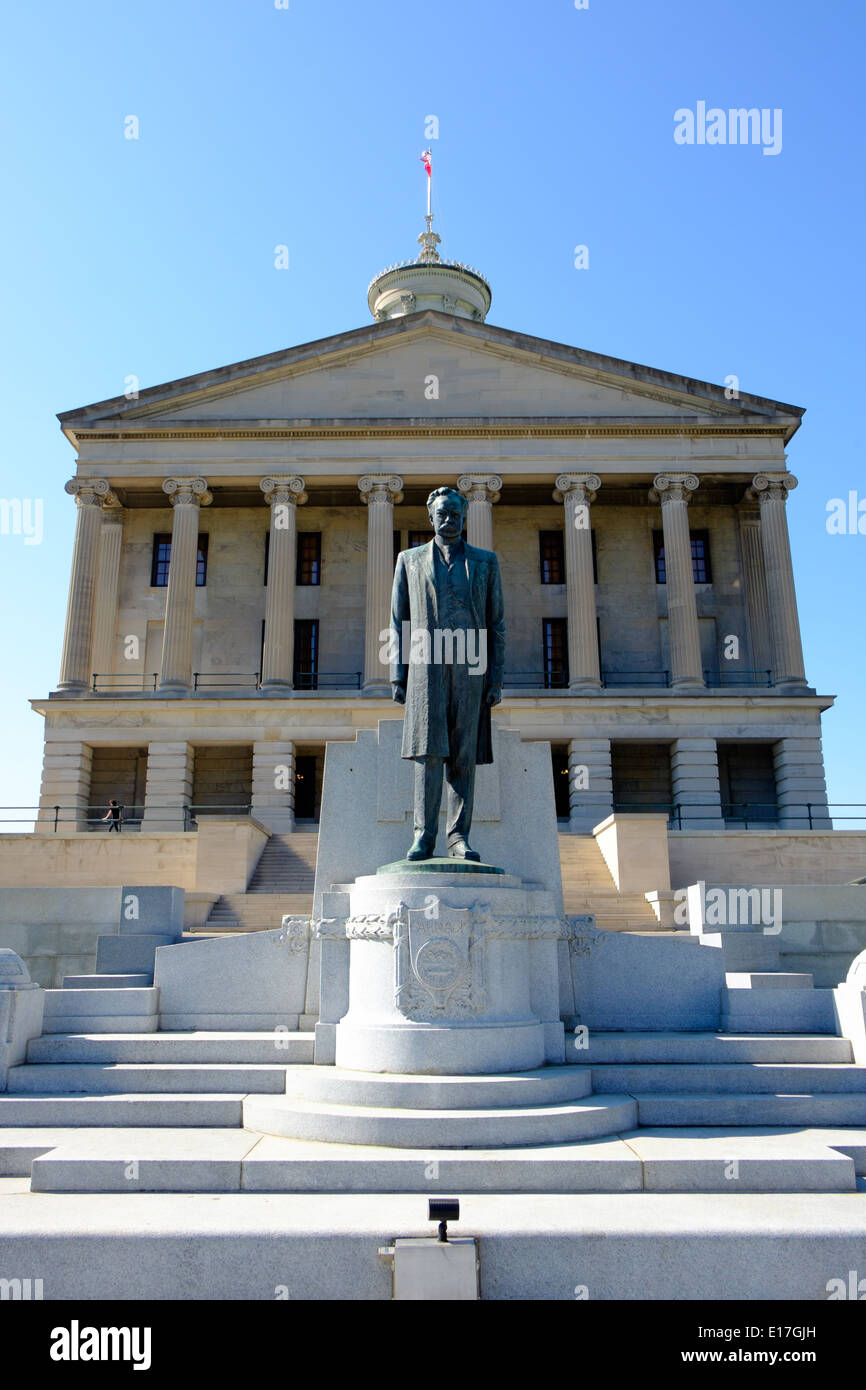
(588, 886)
(696, 1112)
(282, 883)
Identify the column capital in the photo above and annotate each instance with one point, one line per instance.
(88, 492)
(283, 489)
(187, 492)
(378, 488)
(581, 487)
(774, 487)
(673, 487)
(480, 487)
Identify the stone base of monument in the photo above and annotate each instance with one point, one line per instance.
(553, 1105)
(452, 970)
(451, 987)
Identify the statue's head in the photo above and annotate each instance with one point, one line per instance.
(446, 508)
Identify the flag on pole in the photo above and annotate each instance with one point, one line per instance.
(426, 159)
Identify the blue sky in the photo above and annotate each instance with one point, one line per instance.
(302, 126)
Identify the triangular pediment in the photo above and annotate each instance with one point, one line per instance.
(428, 366)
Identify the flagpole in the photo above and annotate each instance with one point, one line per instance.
(429, 185)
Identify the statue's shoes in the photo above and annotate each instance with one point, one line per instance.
(460, 849)
(422, 847)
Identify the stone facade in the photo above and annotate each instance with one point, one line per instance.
(700, 677)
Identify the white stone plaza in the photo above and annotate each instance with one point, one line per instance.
(243, 1040)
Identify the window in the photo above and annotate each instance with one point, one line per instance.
(551, 545)
(161, 560)
(306, 662)
(309, 566)
(701, 570)
(555, 652)
(416, 538)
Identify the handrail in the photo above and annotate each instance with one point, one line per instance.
(678, 812)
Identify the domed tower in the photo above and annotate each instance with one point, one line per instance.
(429, 282)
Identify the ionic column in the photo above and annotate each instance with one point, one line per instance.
(379, 491)
(105, 613)
(75, 666)
(481, 491)
(755, 582)
(186, 496)
(673, 490)
(577, 491)
(772, 491)
(284, 495)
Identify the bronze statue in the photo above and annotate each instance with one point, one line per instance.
(448, 637)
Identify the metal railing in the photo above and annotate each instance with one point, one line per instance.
(806, 815)
(91, 817)
(556, 678)
(334, 680)
(226, 680)
(614, 678)
(122, 682)
(206, 681)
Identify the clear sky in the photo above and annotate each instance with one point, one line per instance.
(261, 125)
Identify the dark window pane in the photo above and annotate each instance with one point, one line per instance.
(701, 572)
(659, 557)
(701, 557)
(160, 561)
(267, 556)
(201, 563)
(555, 652)
(552, 555)
(309, 566)
(418, 538)
(306, 658)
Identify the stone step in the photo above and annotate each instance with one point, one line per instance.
(435, 1129)
(739, 1078)
(212, 1160)
(107, 981)
(756, 1108)
(337, 1086)
(282, 1048)
(101, 1010)
(705, 1047)
(776, 979)
(621, 1246)
(64, 1111)
(128, 1078)
(778, 1011)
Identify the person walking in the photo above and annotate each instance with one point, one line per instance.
(114, 814)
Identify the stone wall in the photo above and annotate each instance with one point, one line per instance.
(766, 856)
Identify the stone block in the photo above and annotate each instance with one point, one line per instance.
(129, 955)
(519, 787)
(256, 981)
(152, 909)
(21, 1012)
(645, 982)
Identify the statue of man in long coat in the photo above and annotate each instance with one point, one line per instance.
(448, 635)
